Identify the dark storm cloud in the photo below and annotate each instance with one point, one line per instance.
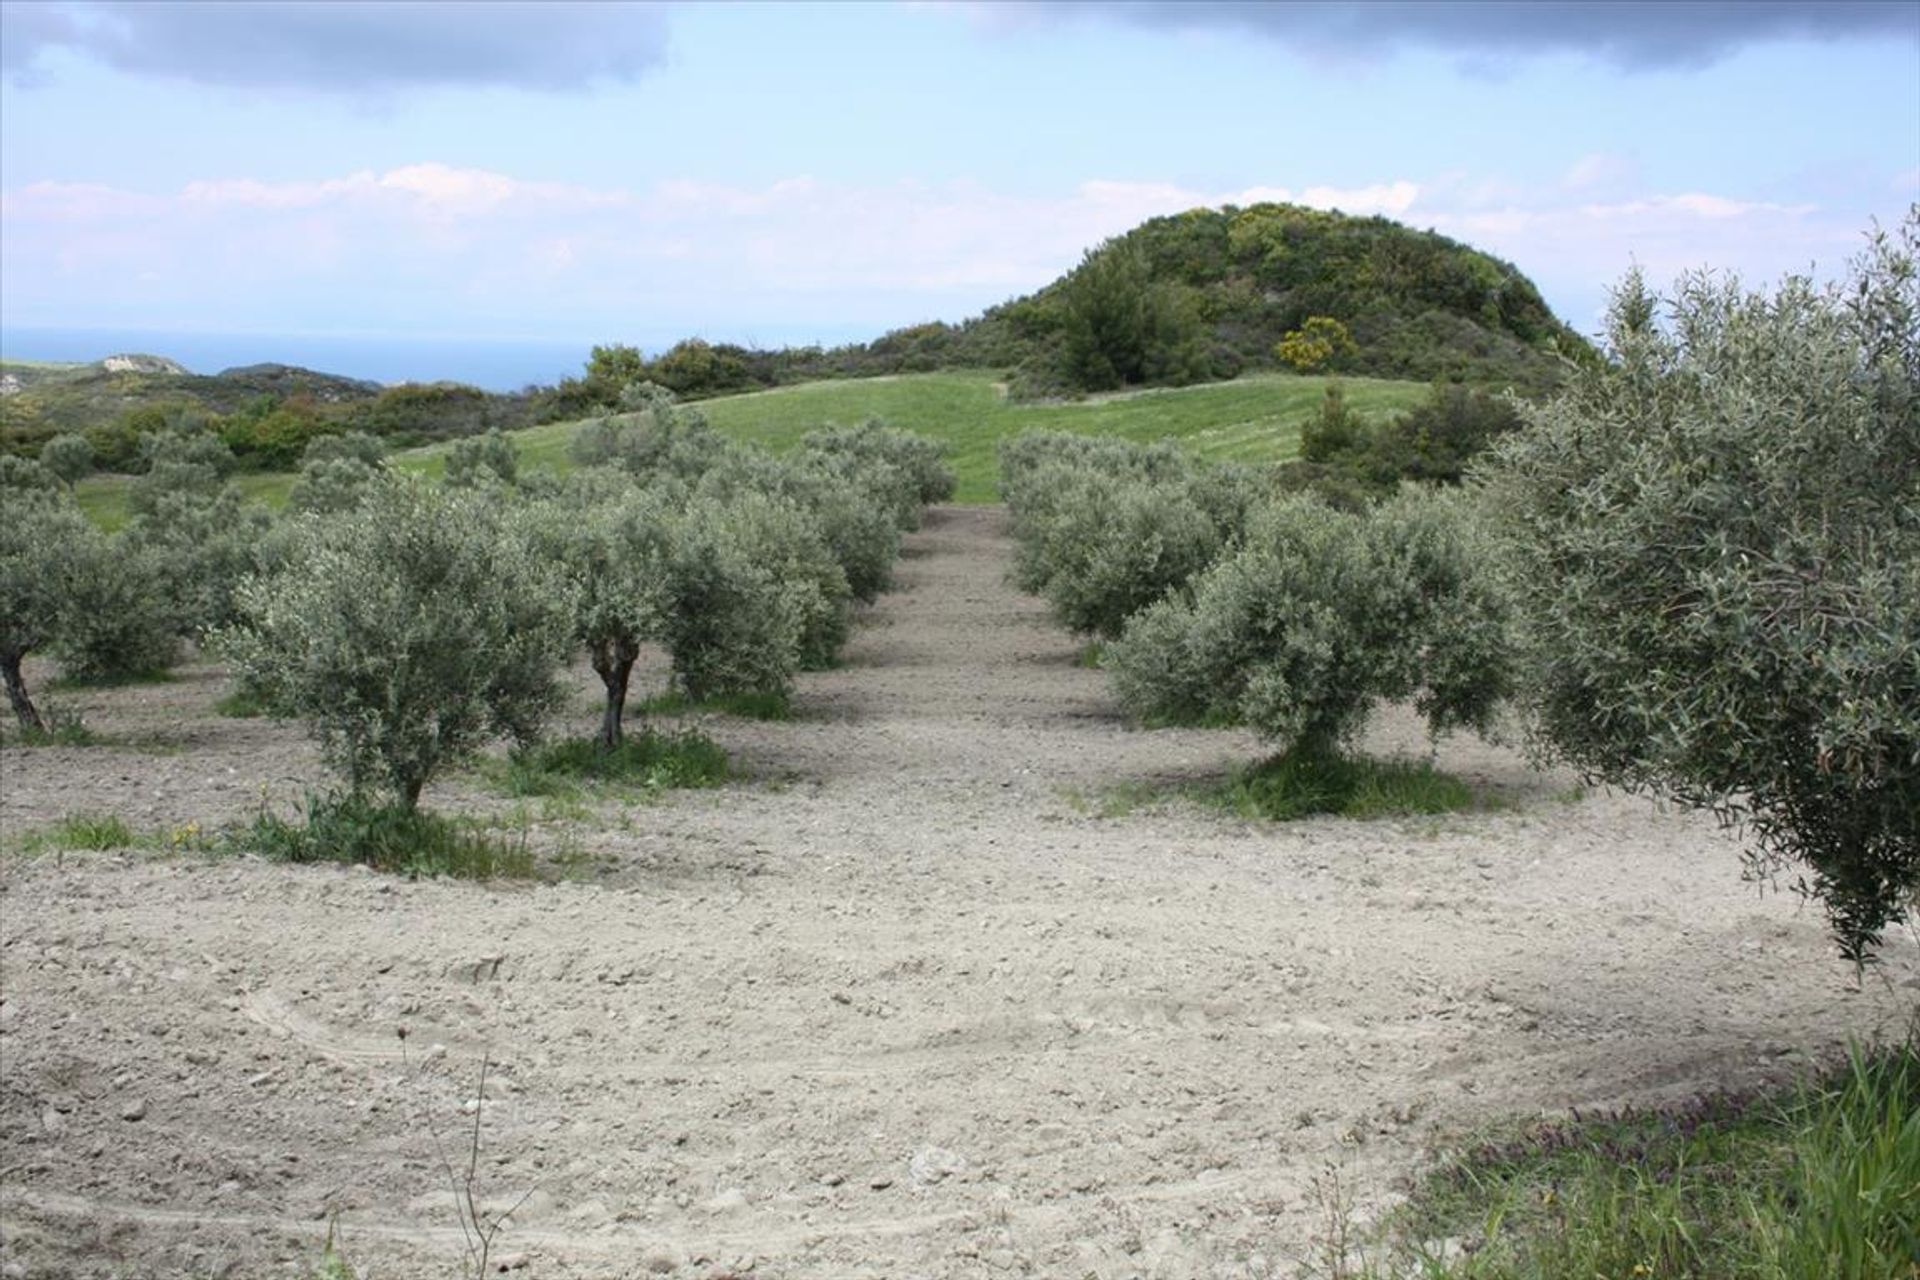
(343, 47)
(1631, 33)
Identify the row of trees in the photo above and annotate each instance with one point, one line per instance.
(1225, 602)
(1694, 573)
(408, 622)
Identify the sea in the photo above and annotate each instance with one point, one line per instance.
(497, 364)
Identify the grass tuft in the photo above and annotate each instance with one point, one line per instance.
(1303, 784)
(351, 829)
(243, 703)
(1819, 1183)
(81, 833)
(648, 760)
(64, 729)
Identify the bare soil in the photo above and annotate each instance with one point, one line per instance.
(915, 998)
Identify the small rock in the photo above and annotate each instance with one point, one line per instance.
(53, 1122)
(935, 1164)
(732, 1200)
(512, 1262)
(134, 1110)
(833, 1179)
(880, 1181)
(660, 1259)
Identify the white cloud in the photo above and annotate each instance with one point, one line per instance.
(435, 246)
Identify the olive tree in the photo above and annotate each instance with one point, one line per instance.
(49, 551)
(485, 459)
(406, 633)
(336, 474)
(1321, 615)
(1717, 554)
(612, 549)
(68, 456)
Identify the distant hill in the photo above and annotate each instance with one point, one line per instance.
(113, 398)
(1216, 290)
(1417, 304)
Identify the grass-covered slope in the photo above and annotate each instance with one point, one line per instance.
(1252, 419)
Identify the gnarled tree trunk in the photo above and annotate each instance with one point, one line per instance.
(23, 708)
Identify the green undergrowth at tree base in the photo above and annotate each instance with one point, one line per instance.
(1304, 784)
(63, 729)
(771, 705)
(352, 829)
(648, 760)
(1819, 1182)
(244, 703)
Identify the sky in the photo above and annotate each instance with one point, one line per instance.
(790, 173)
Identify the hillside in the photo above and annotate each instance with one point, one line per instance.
(40, 399)
(1201, 296)
(1253, 419)
(1417, 304)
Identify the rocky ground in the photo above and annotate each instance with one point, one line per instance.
(928, 992)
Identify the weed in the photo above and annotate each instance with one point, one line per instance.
(332, 1265)
(1302, 784)
(648, 760)
(243, 703)
(1822, 1181)
(63, 729)
(81, 833)
(478, 1228)
(350, 829)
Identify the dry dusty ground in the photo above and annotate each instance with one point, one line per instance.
(902, 1003)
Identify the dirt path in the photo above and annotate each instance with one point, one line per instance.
(902, 1004)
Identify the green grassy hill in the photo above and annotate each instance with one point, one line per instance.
(1253, 419)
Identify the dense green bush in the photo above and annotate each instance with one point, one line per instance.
(406, 632)
(49, 552)
(487, 459)
(922, 460)
(731, 622)
(68, 456)
(1105, 528)
(196, 548)
(1352, 462)
(336, 473)
(1319, 616)
(652, 436)
(1718, 555)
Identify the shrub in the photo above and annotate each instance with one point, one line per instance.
(1319, 616)
(68, 456)
(405, 633)
(48, 553)
(856, 506)
(923, 460)
(1717, 541)
(732, 623)
(487, 459)
(196, 549)
(399, 838)
(1106, 528)
(752, 551)
(1315, 344)
(120, 623)
(653, 436)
